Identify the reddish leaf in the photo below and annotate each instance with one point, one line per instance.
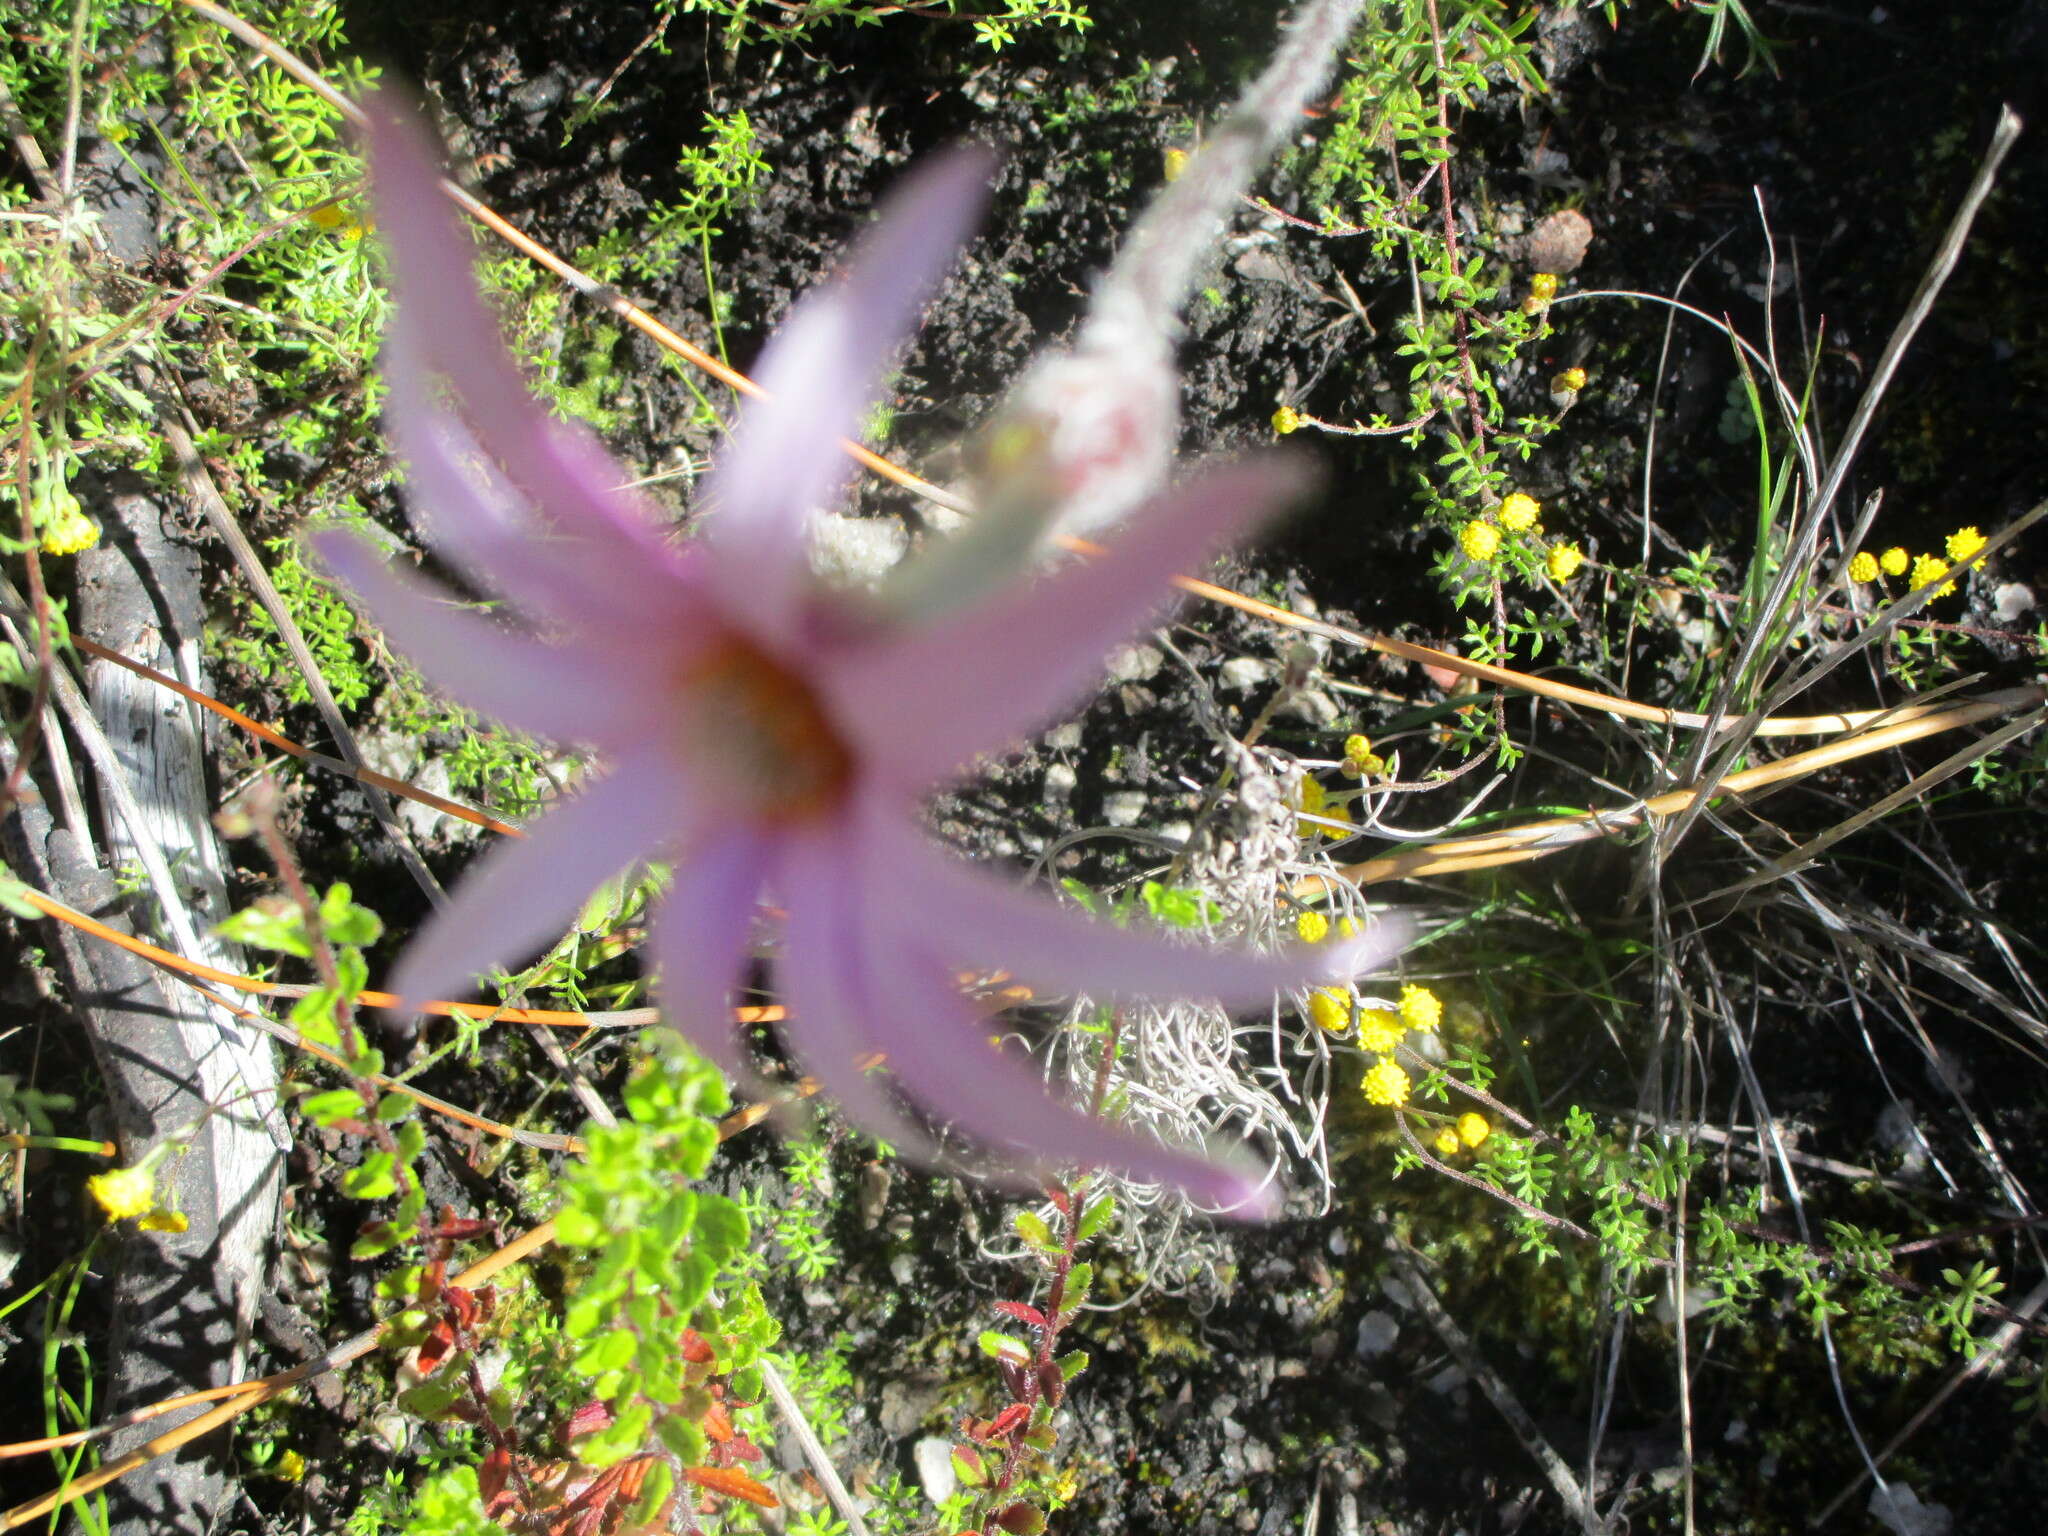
(1062, 1202)
(695, 1350)
(1021, 1312)
(732, 1485)
(1009, 1419)
(587, 1420)
(460, 1229)
(438, 1345)
(717, 1423)
(492, 1476)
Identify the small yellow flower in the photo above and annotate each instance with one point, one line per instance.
(1480, 541)
(1357, 746)
(1928, 568)
(1965, 542)
(1176, 162)
(67, 530)
(1314, 800)
(1379, 1029)
(291, 1466)
(1420, 1009)
(1893, 562)
(1569, 382)
(1562, 561)
(124, 1192)
(1385, 1084)
(1473, 1129)
(1349, 928)
(1447, 1143)
(1542, 288)
(1518, 512)
(1285, 420)
(1331, 1008)
(161, 1220)
(1862, 567)
(1312, 927)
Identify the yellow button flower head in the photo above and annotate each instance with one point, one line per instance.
(67, 530)
(1563, 561)
(1569, 382)
(1473, 1129)
(1446, 1142)
(1965, 542)
(1420, 1009)
(1349, 927)
(1331, 1008)
(124, 1192)
(1862, 566)
(1480, 541)
(1314, 801)
(1312, 927)
(1518, 512)
(1385, 1084)
(1357, 746)
(1893, 562)
(1285, 420)
(1379, 1029)
(1928, 568)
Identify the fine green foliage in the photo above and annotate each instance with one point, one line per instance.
(654, 1248)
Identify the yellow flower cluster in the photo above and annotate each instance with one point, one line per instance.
(1563, 561)
(1480, 541)
(67, 530)
(1928, 568)
(1962, 545)
(124, 1192)
(1286, 420)
(1468, 1133)
(1330, 1007)
(1386, 1084)
(1518, 512)
(1314, 800)
(1312, 927)
(1569, 382)
(1542, 289)
(1421, 1010)
(1359, 758)
(1379, 1029)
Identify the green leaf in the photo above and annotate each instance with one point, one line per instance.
(394, 1107)
(607, 1352)
(332, 1107)
(1080, 1281)
(1002, 1347)
(1094, 1217)
(1073, 1364)
(1032, 1228)
(371, 1179)
(577, 1228)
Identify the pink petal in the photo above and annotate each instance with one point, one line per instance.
(607, 550)
(524, 893)
(923, 706)
(701, 939)
(825, 974)
(820, 371)
(939, 1051)
(985, 920)
(551, 691)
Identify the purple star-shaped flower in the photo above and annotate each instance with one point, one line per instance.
(770, 736)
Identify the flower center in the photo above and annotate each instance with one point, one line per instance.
(761, 724)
